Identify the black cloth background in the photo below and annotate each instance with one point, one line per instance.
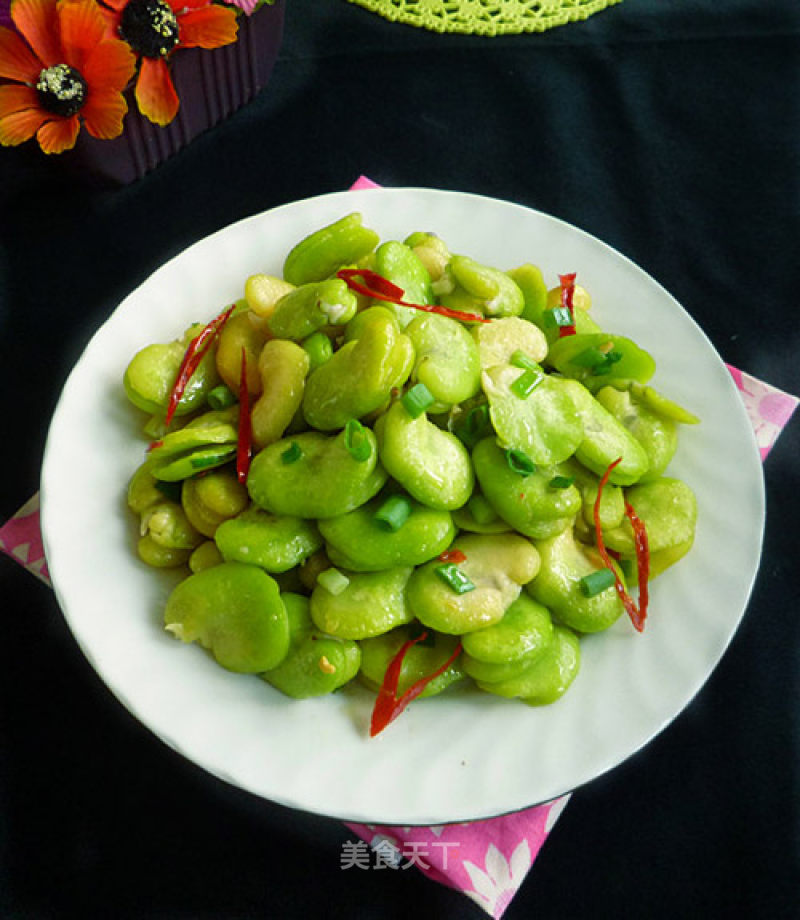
(669, 130)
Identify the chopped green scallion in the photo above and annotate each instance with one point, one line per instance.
(292, 453)
(417, 400)
(520, 462)
(393, 513)
(356, 441)
(561, 482)
(526, 383)
(221, 397)
(333, 580)
(454, 578)
(520, 359)
(596, 582)
(559, 316)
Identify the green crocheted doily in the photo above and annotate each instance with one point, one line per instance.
(486, 17)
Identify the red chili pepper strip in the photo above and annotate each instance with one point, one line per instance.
(642, 558)
(244, 447)
(567, 291)
(452, 555)
(194, 354)
(387, 706)
(636, 615)
(374, 285)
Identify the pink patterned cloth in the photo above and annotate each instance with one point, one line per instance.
(485, 860)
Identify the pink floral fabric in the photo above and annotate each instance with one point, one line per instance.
(485, 860)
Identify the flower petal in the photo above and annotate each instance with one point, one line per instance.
(17, 61)
(38, 22)
(17, 98)
(19, 127)
(177, 6)
(155, 93)
(103, 114)
(109, 65)
(210, 27)
(82, 27)
(118, 5)
(58, 135)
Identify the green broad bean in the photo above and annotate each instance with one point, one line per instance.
(491, 288)
(548, 678)
(160, 557)
(319, 349)
(167, 524)
(323, 252)
(283, 367)
(310, 307)
(144, 490)
(499, 340)
(478, 516)
(497, 565)
(244, 332)
(315, 664)
(661, 560)
(447, 359)
(324, 481)
(358, 542)
(420, 661)
(432, 251)
(667, 507)
(530, 281)
(657, 434)
(262, 292)
(213, 498)
(372, 603)
(205, 556)
(191, 450)
(658, 403)
(150, 377)
(275, 543)
(525, 630)
(564, 562)
(526, 501)
(605, 440)
(430, 464)
(235, 611)
(598, 359)
(360, 377)
(399, 264)
(612, 501)
(546, 426)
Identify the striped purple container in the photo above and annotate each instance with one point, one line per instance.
(211, 86)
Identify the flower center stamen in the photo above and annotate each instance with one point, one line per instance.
(149, 27)
(61, 90)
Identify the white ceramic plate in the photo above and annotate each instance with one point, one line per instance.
(446, 759)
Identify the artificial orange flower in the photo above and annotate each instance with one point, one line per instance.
(155, 29)
(65, 72)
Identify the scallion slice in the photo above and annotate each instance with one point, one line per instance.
(292, 453)
(526, 383)
(520, 462)
(561, 482)
(333, 580)
(520, 359)
(596, 582)
(417, 400)
(454, 578)
(356, 441)
(221, 397)
(393, 513)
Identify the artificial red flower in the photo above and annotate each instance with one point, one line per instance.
(155, 29)
(65, 71)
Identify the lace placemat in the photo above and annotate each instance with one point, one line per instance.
(485, 17)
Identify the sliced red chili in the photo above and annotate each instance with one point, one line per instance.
(387, 706)
(374, 285)
(567, 283)
(636, 613)
(244, 447)
(642, 558)
(194, 354)
(452, 555)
